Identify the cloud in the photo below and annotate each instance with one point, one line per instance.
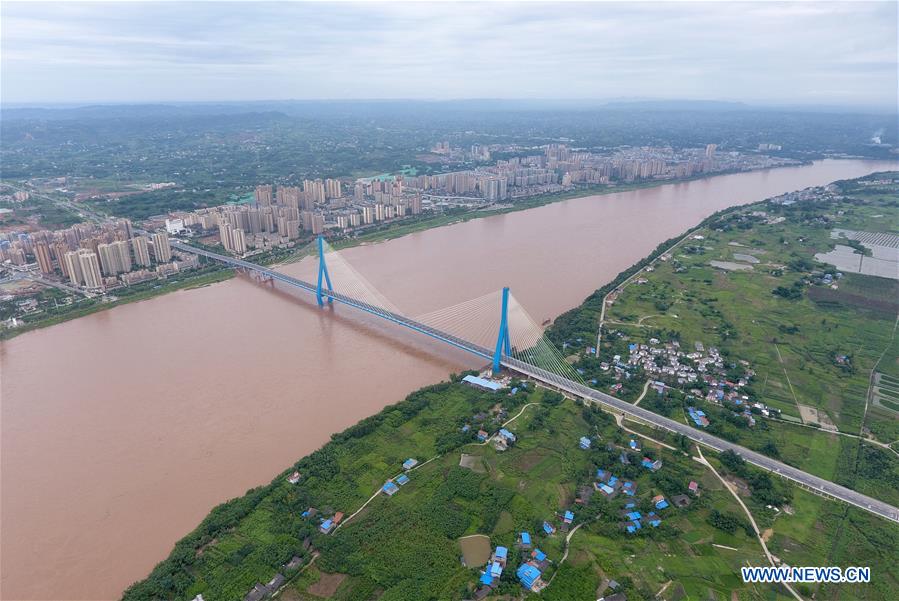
(807, 52)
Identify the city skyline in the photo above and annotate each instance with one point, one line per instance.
(809, 53)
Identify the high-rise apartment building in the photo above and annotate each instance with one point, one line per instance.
(263, 196)
(318, 223)
(109, 260)
(314, 191)
(73, 267)
(141, 248)
(44, 260)
(90, 269)
(115, 257)
(240, 241)
(332, 188)
(162, 251)
(123, 250)
(289, 196)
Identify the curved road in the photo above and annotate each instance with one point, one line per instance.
(815, 483)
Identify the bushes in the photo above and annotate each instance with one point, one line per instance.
(728, 522)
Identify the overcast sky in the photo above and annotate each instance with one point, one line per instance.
(799, 53)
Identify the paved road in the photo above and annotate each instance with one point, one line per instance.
(820, 485)
(772, 465)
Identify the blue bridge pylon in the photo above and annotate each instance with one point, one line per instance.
(503, 345)
(322, 272)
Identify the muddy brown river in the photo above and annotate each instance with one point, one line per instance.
(122, 429)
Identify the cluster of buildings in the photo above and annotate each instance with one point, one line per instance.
(560, 167)
(668, 362)
(95, 257)
(699, 417)
(633, 519)
(529, 573)
(392, 486)
(610, 485)
(280, 215)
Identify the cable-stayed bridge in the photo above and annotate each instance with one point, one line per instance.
(496, 328)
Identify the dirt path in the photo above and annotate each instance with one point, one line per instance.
(642, 394)
(378, 491)
(780, 359)
(701, 459)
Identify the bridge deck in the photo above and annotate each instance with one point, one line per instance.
(819, 485)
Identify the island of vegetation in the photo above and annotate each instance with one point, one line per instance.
(459, 492)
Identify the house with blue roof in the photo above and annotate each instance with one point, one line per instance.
(326, 526)
(634, 445)
(698, 417)
(529, 576)
(659, 502)
(602, 475)
(548, 528)
(632, 527)
(634, 516)
(496, 569)
(501, 553)
(524, 540)
(568, 517)
(402, 479)
(584, 443)
(486, 579)
(408, 464)
(538, 555)
(652, 465)
(629, 488)
(653, 520)
(604, 488)
(510, 438)
(389, 488)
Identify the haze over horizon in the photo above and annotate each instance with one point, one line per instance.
(808, 53)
